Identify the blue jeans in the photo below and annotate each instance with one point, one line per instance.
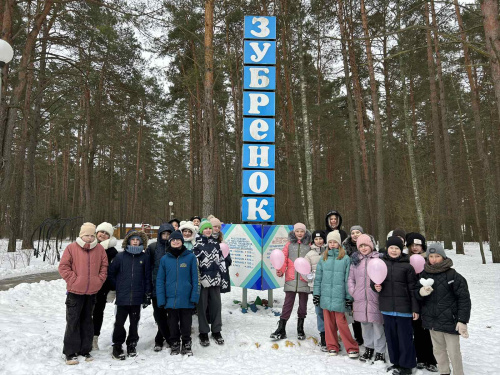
(319, 318)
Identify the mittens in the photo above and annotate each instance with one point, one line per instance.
(462, 330)
(111, 296)
(425, 291)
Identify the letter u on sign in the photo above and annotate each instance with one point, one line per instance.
(259, 52)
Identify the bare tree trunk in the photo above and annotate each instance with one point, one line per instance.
(379, 148)
(208, 115)
(137, 168)
(491, 211)
(450, 180)
(309, 203)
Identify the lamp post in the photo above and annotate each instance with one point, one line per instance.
(6, 55)
(170, 204)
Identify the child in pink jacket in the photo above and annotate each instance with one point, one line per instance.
(365, 306)
(296, 247)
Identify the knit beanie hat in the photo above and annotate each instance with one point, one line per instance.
(215, 222)
(176, 236)
(364, 239)
(399, 232)
(204, 225)
(416, 238)
(318, 233)
(357, 227)
(393, 240)
(436, 248)
(334, 235)
(87, 229)
(299, 226)
(105, 227)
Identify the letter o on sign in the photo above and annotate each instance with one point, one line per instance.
(258, 182)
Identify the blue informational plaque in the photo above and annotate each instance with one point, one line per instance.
(259, 182)
(258, 129)
(258, 52)
(259, 78)
(260, 27)
(258, 156)
(259, 103)
(257, 209)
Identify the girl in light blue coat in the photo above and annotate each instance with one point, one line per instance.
(331, 293)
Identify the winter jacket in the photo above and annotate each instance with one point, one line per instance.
(210, 261)
(331, 281)
(226, 279)
(177, 283)
(398, 288)
(343, 234)
(295, 249)
(109, 246)
(351, 247)
(156, 251)
(313, 257)
(84, 267)
(448, 303)
(365, 306)
(130, 274)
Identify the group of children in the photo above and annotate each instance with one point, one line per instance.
(182, 273)
(419, 318)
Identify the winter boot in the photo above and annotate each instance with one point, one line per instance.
(118, 352)
(204, 341)
(392, 368)
(186, 348)
(88, 357)
(379, 357)
(72, 359)
(323, 342)
(175, 348)
(158, 347)
(431, 368)
(218, 338)
(131, 351)
(367, 355)
(300, 329)
(402, 371)
(95, 344)
(280, 332)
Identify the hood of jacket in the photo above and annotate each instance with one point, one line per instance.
(327, 220)
(140, 233)
(305, 240)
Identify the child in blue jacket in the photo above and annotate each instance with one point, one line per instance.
(178, 291)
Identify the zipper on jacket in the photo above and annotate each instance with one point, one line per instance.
(298, 275)
(176, 279)
(392, 284)
(88, 278)
(366, 291)
(132, 278)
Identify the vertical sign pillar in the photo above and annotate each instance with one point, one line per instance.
(259, 89)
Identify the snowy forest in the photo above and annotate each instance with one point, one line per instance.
(388, 111)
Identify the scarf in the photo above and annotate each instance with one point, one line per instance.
(444, 266)
(176, 252)
(134, 250)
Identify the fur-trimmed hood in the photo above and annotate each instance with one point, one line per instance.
(306, 240)
(140, 233)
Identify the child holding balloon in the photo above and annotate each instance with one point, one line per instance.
(331, 293)
(398, 305)
(294, 250)
(365, 306)
(417, 246)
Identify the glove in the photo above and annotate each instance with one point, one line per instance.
(110, 298)
(316, 300)
(348, 304)
(425, 291)
(147, 300)
(462, 330)
(310, 276)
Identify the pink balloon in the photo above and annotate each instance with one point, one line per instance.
(277, 258)
(418, 262)
(225, 249)
(302, 266)
(377, 270)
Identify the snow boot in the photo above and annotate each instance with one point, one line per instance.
(280, 332)
(88, 357)
(72, 359)
(204, 341)
(431, 368)
(300, 329)
(131, 351)
(402, 371)
(95, 343)
(186, 348)
(380, 357)
(118, 352)
(218, 338)
(158, 347)
(175, 348)
(367, 355)
(323, 342)
(393, 368)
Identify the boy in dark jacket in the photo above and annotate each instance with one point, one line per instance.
(398, 305)
(130, 273)
(178, 291)
(156, 251)
(446, 308)
(211, 267)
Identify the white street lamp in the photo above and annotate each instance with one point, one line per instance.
(170, 204)
(6, 55)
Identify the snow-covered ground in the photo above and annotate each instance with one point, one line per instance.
(32, 322)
